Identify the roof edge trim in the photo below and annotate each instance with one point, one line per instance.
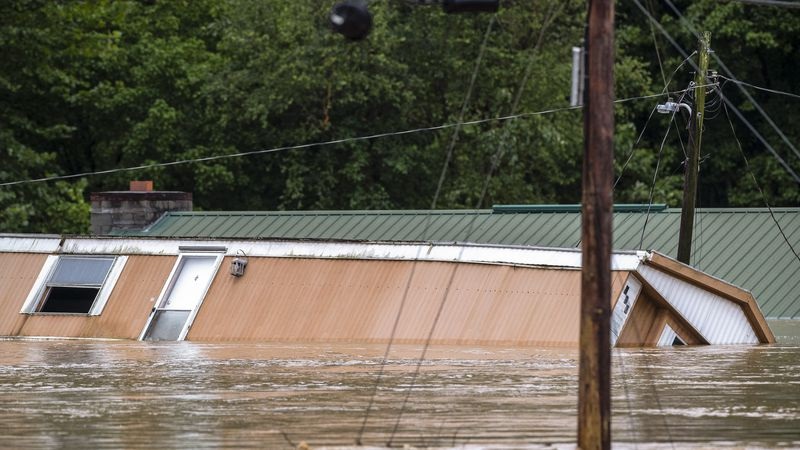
(568, 258)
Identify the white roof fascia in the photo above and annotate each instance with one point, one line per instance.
(447, 252)
(30, 243)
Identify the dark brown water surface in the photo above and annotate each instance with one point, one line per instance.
(115, 394)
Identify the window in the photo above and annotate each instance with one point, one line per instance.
(74, 285)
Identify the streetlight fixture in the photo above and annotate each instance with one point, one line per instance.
(352, 19)
(670, 107)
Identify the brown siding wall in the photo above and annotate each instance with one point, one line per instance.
(125, 313)
(18, 272)
(280, 299)
(639, 323)
(647, 320)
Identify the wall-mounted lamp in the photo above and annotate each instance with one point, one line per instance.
(238, 264)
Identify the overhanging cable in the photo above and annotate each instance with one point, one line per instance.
(633, 147)
(760, 190)
(453, 141)
(464, 105)
(497, 157)
(655, 175)
(747, 95)
(738, 113)
(309, 145)
(774, 91)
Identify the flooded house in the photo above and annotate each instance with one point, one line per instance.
(349, 277)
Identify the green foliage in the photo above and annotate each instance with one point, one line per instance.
(96, 85)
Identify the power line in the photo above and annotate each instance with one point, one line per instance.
(633, 147)
(688, 25)
(453, 141)
(497, 157)
(758, 186)
(725, 99)
(655, 174)
(314, 144)
(779, 3)
(467, 97)
(774, 91)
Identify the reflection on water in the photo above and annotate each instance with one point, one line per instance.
(110, 394)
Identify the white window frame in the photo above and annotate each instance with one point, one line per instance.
(36, 295)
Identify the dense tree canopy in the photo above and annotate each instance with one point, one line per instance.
(88, 86)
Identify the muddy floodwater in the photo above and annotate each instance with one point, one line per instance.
(120, 394)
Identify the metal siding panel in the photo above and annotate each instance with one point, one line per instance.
(242, 228)
(500, 229)
(713, 316)
(256, 226)
(357, 228)
(346, 227)
(280, 226)
(667, 337)
(210, 225)
(513, 230)
(196, 228)
(228, 225)
(404, 229)
(563, 235)
(661, 233)
(375, 230)
(627, 230)
(464, 228)
(356, 300)
(410, 228)
(18, 272)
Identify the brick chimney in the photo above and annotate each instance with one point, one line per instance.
(134, 209)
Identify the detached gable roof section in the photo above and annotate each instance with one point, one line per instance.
(714, 319)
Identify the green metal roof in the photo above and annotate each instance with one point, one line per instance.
(741, 246)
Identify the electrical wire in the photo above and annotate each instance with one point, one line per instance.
(736, 111)
(469, 231)
(655, 45)
(464, 105)
(779, 3)
(653, 186)
(497, 157)
(310, 145)
(773, 91)
(758, 187)
(633, 147)
(688, 26)
(453, 141)
(385, 358)
(655, 176)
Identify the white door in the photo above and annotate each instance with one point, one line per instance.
(178, 304)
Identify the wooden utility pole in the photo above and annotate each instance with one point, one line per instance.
(594, 391)
(693, 158)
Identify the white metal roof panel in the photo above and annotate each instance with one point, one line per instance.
(717, 319)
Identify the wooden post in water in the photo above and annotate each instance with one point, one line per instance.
(692, 168)
(594, 391)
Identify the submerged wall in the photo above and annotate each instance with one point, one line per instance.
(285, 299)
(305, 291)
